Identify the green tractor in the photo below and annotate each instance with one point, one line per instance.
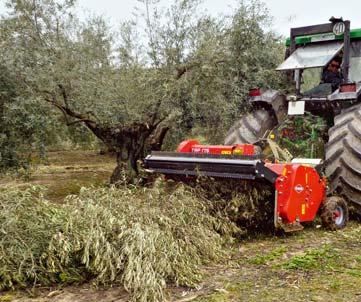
(337, 108)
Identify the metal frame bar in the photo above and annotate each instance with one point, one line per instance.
(346, 52)
(320, 29)
(308, 30)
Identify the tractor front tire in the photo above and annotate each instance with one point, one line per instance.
(343, 157)
(334, 213)
(251, 127)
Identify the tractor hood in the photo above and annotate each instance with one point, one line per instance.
(312, 55)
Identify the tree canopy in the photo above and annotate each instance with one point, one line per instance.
(175, 70)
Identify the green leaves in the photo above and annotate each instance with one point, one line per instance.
(190, 70)
(139, 238)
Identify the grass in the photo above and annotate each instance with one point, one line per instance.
(315, 259)
(312, 265)
(265, 258)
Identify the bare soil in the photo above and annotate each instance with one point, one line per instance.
(65, 172)
(311, 265)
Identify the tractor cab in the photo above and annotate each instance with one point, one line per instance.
(312, 51)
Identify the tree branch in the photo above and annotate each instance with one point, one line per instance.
(156, 140)
(79, 121)
(181, 70)
(64, 95)
(68, 112)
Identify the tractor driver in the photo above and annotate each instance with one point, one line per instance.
(332, 74)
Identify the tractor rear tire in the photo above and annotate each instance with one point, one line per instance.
(343, 157)
(251, 127)
(334, 213)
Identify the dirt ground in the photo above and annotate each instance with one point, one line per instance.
(65, 172)
(311, 265)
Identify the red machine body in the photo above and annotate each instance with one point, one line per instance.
(193, 146)
(299, 189)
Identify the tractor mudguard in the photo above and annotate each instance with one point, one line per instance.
(271, 100)
(338, 95)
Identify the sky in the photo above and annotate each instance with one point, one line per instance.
(286, 14)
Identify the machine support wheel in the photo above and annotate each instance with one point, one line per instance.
(343, 157)
(334, 213)
(251, 127)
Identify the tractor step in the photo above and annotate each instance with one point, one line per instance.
(289, 227)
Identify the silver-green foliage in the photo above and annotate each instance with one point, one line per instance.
(141, 239)
(193, 69)
(20, 123)
(216, 62)
(27, 223)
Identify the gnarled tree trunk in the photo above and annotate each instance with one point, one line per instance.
(129, 141)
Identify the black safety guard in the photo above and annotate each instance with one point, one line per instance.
(193, 164)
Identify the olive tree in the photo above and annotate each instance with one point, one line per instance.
(23, 124)
(186, 71)
(71, 65)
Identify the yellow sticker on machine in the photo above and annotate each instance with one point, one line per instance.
(238, 152)
(303, 209)
(226, 152)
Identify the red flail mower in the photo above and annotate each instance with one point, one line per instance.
(299, 189)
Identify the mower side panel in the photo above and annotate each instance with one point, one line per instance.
(300, 192)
